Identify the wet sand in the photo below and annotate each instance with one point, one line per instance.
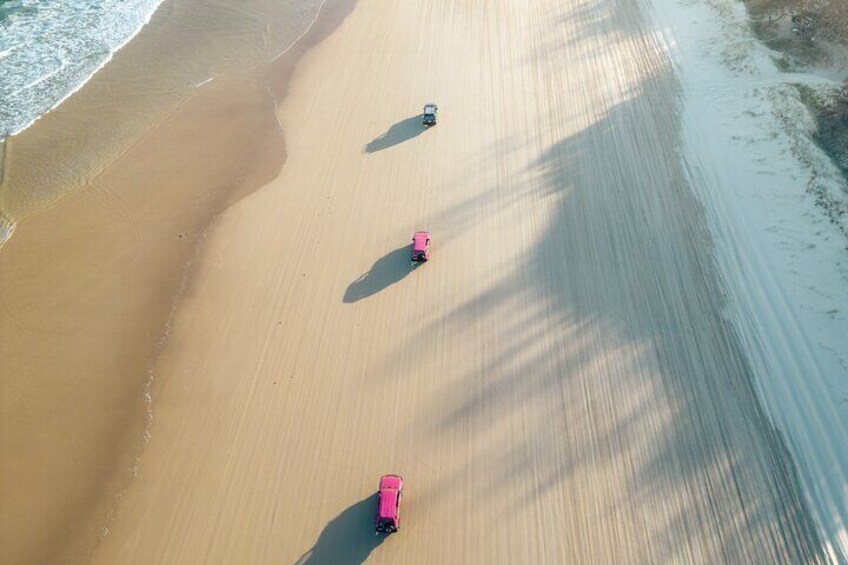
(112, 193)
(556, 385)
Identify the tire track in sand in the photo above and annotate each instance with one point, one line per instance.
(558, 383)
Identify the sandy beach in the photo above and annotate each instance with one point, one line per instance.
(218, 343)
(111, 194)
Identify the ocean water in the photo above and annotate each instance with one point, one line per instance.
(50, 48)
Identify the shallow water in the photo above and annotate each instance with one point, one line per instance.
(48, 49)
(189, 44)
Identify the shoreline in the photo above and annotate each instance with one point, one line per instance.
(114, 50)
(7, 225)
(123, 230)
(150, 81)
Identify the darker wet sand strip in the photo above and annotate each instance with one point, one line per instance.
(112, 193)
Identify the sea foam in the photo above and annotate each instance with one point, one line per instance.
(48, 50)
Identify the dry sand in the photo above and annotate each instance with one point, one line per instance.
(557, 385)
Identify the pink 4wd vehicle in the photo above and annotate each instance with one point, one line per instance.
(388, 503)
(421, 247)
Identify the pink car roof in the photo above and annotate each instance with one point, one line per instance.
(390, 487)
(419, 240)
(391, 482)
(388, 504)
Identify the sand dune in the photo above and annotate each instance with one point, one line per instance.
(556, 385)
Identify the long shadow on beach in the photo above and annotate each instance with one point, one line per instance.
(348, 539)
(402, 131)
(388, 270)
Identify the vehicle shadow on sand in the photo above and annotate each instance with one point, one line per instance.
(348, 539)
(402, 131)
(388, 270)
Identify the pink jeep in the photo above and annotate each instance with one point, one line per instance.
(388, 503)
(421, 246)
